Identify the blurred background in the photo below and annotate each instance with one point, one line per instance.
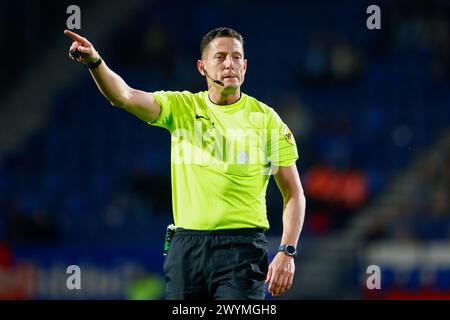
(87, 184)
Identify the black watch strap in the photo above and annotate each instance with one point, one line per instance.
(93, 65)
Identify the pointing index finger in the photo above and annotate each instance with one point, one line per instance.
(74, 36)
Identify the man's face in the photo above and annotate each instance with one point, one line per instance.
(224, 60)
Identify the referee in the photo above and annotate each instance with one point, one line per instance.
(225, 146)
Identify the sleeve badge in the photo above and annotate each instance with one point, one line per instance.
(288, 135)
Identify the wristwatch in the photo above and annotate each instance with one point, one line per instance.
(93, 65)
(75, 55)
(288, 249)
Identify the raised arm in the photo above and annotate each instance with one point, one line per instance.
(112, 86)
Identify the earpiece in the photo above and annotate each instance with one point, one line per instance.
(205, 74)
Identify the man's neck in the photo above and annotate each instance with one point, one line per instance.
(222, 98)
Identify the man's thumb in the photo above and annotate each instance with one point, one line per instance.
(269, 275)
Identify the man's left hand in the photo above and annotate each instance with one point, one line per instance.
(281, 274)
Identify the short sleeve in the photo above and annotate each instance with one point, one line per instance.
(282, 149)
(167, 101)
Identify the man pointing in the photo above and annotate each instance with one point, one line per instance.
(225, 146)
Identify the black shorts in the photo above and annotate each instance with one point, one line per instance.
(220, 264)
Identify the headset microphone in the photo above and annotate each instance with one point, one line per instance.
(220, 83)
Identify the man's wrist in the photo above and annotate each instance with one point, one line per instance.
(288, 249)
(285, 256)
(94, 65)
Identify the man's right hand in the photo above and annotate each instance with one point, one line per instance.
(140, 103)
(82, 45)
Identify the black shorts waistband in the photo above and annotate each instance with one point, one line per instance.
(221, 232)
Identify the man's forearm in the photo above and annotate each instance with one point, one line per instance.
(293, 217)
(110, 84)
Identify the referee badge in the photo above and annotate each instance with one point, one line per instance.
(288, 135)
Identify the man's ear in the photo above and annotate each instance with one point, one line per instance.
(244, 67)
(200, 67)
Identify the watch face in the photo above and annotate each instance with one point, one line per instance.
(290, 249)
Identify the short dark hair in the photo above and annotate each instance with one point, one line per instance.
(218, 33)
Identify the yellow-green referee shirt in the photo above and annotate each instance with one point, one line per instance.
(221, 158)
